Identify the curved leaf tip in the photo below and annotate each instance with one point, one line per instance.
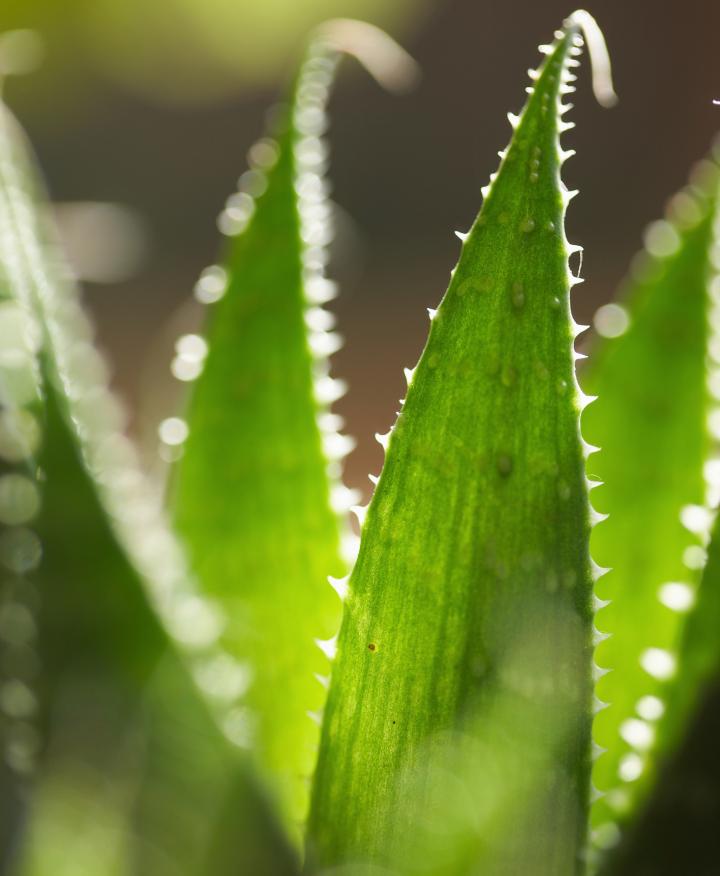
(385, 60)
(599, 56)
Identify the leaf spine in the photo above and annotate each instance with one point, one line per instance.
(360, 512)
(323, 680)
(383, 439)
(328, 646)
(340, 585)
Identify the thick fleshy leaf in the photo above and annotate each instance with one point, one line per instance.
(105, 565)
(651, 421)
(257, 496)
(472, 593)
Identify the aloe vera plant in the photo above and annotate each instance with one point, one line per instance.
(109, 647)
(658, 472)
(457, 696)
(279, 529)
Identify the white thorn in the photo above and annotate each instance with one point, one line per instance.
(328, 422)
(599, 637)
(340, 585)
(596, 795)
(589, 449)
(598, 603)
(324, 343)
(597, 750)
(484, 191)
(597, 572)
(565, 154)
(565, 126)
(545, 49)
(337, 446)
(323, 679)
(462, 236)
(596, 517)
(408, 372)
(598, 705)
(373, 479)
(329, 389)
(360, 512)
(533, 74)
(383, 439)
(342, 498)
(319, 320)
(599, 672)
(316, 717)
(514, 120)
(502, 153)
(432, 312)
(328, 647)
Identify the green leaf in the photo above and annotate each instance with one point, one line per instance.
(651, 421)
(699, 653)
(257, 494)
(104, 565)
(474, 584)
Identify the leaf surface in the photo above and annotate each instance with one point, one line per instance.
(473, 586)
(257, 495)
(651, 421)
(105, 566)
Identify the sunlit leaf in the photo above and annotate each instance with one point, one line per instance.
(651, 422)
(105, 567)
(258, 498)
(475, 546)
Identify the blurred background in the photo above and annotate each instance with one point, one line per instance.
(152, 106)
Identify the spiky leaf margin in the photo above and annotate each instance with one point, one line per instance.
(474, 580)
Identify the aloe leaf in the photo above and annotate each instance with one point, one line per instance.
(651, 420)
(257, 498)
(475, 545)
(105, 567)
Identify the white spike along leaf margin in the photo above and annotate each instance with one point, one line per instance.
(20, 498)
(36, 273)
(637, 733)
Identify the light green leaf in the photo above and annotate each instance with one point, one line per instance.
(101, 560)
(651, 421)
(699, 653)
(257, 495)
(473, 585)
